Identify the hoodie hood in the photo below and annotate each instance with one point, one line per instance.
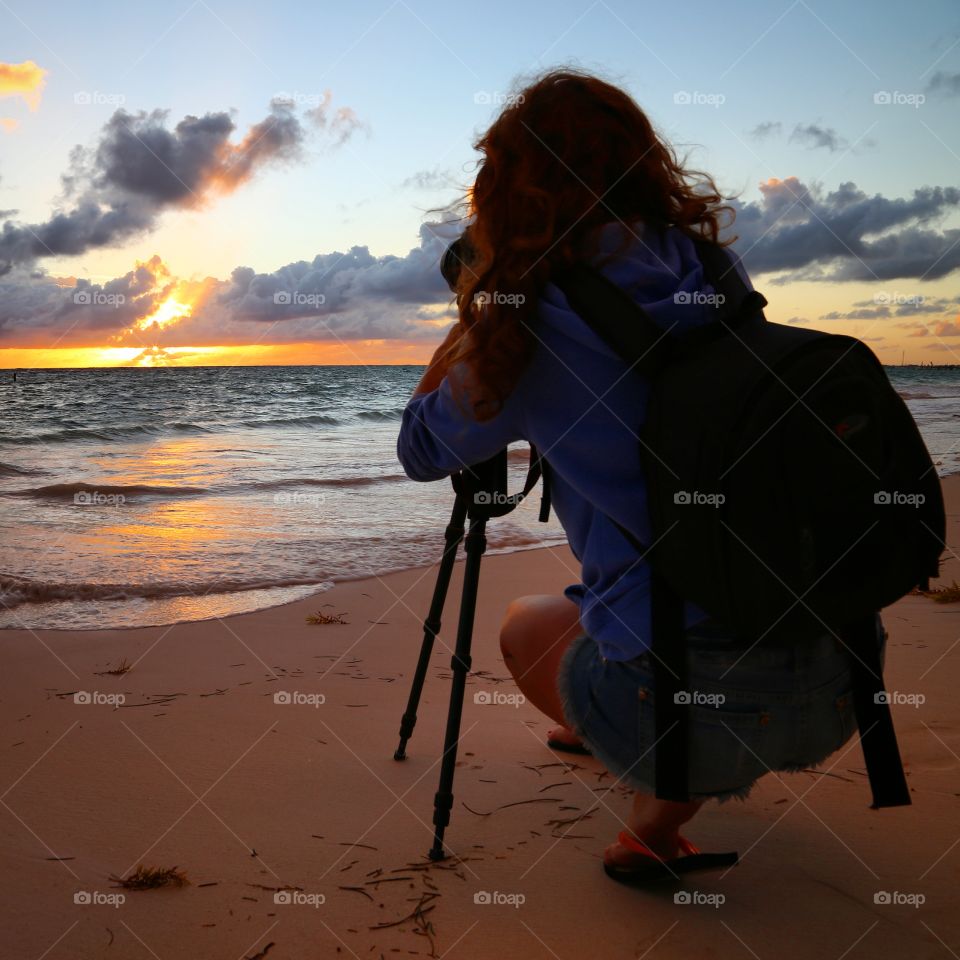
(654, 268)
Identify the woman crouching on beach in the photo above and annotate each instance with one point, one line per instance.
(572, 170)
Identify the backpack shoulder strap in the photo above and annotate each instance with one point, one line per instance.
(623, 324)
(739, 302)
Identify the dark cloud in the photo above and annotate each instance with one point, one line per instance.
(139, 169)
(947, 84)
(813, 135)
(763, 130)
(845, 234)
(347, 296)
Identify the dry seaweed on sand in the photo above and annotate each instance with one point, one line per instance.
(149, 878)
(320, 617)
(124, 666)
(949, 594)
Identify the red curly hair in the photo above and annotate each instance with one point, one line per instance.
(567, 154)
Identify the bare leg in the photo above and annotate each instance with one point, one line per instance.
(535, 634)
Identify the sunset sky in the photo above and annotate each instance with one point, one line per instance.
(203, 183)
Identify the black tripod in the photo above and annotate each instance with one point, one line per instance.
(481, 493)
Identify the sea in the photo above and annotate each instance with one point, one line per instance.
(145, 496)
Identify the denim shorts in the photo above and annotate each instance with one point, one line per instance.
(752, 710)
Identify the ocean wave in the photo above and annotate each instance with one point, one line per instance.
(105, 434)
(361, 481)
(68, 491)
(10, 470)
(381, 415)
(15, 591)
(310, 420)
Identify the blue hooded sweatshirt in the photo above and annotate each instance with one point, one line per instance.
(582, 409)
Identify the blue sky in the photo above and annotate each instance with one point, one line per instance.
(422, 80)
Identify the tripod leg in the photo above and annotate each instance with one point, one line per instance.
(476, 544)
(431, 626)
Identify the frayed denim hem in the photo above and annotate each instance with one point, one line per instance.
(615, 767)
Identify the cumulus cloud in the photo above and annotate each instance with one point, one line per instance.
(139, 169)
(804, 233)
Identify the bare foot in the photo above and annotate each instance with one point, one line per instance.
(665, 847)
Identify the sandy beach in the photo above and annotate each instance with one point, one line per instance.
(301, 837)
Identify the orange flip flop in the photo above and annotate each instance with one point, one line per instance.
(650, 867)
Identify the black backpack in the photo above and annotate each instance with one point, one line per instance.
(790, 494)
